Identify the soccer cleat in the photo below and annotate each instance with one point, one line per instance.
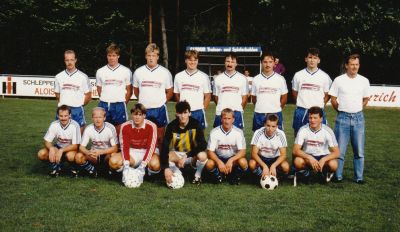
(196, 180)
(74, 173)
(328, 177)
(92, 174)
(235, 181)
(218, 179)
(361, 182)
(54, 173)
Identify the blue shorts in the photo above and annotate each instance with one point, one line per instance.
(77, 114)
(158, 115)
(319, 157)
(116, 113)
(259, 120)
(239, 123)
(301, 118)
(200, 116)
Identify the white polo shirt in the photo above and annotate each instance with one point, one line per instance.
(229, 90)
(72, 87)
(152, 84)
(269, 146)
(268, 90)
(350, 92)
(192, 88)
(113, 82)
(316, 143)
(311, 88)
(104, 138)
(226, 144)
(70, 134)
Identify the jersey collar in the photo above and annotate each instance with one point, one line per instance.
(101, 129)
(71, 73)
(113, 69)
(225, 132)
(139, 127)
(226, 74)
(190, 74)
(65, 127)
(267, 77)
(265, 134)
(151, 70)
(311, 73)
(314, 131)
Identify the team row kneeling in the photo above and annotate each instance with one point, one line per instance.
(224, 155)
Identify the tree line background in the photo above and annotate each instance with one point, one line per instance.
(35, 33)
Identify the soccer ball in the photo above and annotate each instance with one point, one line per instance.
(269, 182)
(132, 178)
(177, 181)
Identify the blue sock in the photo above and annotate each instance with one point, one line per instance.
(239, 171)
(55, 166)
(88, 166)
(215, 171)
(258, 171)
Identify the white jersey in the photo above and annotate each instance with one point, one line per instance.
(152, 84)
(318, 142)
(72, 87)
(269, 146)
(104, 138)
(113, 83)
(192, 88)
(229, 90)
(226, 144)
(268, 90)
(350, 92)
(311, 88)
(250, 82)
(70, 134)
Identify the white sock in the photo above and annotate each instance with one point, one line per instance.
(188, 161)
(200, 165)
(174, 168)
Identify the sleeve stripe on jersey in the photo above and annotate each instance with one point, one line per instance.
(113, 131)
(257, 137)
(121, 141)
(283, 139)
(153, 144)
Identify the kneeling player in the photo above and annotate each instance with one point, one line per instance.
(184, 143)
(68, 135)
(315, 147)
(138, 140)
(227, 149)
(104, 143)
(268, 152)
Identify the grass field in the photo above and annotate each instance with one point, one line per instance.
(31, 201)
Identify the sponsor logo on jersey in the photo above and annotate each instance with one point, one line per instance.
(312, 87)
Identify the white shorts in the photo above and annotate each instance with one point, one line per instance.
(138, 154)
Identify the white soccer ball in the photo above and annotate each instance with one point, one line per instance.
(132, 178)
(269, 182)
(177, 181)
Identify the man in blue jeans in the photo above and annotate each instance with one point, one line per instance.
(349, 95)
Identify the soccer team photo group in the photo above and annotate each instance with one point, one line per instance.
(133, 143)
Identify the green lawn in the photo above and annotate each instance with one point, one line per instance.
(31, 201)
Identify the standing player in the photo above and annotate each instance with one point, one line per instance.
(193, 86)
(315, 147)
(249, 79)
(349, 94)
(230, 91)
(152, 85)
(268, 149)
(114, 87)
(67, 133)
(183, 144)
(269, 93)
(104, 143)
(72, 88)
(310, 88)
(227, 149)
(138, 139)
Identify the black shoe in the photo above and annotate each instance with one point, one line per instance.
(235, 181)
(74, 173)
(54, 173)
(92, 174)
(196, 180)
(360, 182)
(336, 180)
(218, 179)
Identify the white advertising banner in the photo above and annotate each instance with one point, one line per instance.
(34, 86)
(387, 96)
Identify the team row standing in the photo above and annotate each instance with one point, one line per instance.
(153, 86)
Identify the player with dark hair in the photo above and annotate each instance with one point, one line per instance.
(193, 86)
(268, 149)
(114, 87)
(230, 91)
(310, 88)
(184, 144)
(67, 134)
(349, 94)
(138, 140)
(72, 88)
(227, 150)
(315, 147)
(269, 93)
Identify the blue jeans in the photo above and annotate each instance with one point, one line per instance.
(351, 126)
